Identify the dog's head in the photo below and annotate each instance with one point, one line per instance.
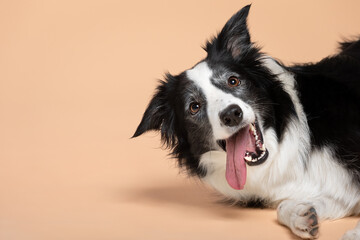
(223, 103)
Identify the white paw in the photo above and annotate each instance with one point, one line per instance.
(351, 235)
(304, 221)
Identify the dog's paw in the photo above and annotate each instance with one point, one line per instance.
(351, 235)
(305, 222)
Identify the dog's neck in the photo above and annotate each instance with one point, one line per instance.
(297, 138)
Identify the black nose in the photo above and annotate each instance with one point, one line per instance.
(231, 116)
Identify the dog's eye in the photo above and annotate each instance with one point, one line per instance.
(194, 107)
(233, 81)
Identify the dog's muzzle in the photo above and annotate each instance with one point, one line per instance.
(231, 116)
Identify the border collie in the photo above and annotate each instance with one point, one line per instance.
(257, 131)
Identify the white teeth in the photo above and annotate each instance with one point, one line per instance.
(262, 148)
(253, 131)
(259, 144)
(248, 158)
(252, 128)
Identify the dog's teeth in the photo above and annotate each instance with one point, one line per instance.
(262, 148)
(248, 158)
(254, 157)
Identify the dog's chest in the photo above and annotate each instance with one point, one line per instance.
(280, 179)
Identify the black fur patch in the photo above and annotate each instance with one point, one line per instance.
(330, 94)
(166, 114)
(253, 202)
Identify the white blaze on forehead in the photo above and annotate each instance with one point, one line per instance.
(217, 100)
(200, 74)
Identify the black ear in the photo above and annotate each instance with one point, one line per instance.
(159, 115)
(235, 37)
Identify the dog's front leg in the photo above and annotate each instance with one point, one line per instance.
(300, 217)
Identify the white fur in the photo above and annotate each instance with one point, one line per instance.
(292, 172)
(218, 100)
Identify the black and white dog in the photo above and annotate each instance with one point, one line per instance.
(261, 132)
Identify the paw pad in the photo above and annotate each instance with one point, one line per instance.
(307, 224)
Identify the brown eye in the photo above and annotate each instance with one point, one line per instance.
(194, 107)
(233, 81)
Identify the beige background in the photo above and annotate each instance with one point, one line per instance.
(75, 78)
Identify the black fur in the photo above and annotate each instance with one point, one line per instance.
(166, 114)
(252, 202)
(330, 94)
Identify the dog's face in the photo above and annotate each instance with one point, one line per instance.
(223, 103)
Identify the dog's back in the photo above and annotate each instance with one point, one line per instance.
(351, 48)
(330, 93)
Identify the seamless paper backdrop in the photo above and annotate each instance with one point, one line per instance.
(75, 78)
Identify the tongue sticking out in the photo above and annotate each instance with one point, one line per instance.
(236, 147)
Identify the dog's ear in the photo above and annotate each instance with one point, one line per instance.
(159, 115)
(234, 37)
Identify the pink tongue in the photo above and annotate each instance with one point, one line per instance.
(236, 147)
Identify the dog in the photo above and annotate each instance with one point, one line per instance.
(265, 134)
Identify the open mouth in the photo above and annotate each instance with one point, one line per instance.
(245, 147)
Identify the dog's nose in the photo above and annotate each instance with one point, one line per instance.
(231, 116)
